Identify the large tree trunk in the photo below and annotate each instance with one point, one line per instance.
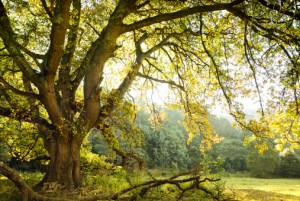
(64, 167)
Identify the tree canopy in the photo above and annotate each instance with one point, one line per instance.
(69, 66)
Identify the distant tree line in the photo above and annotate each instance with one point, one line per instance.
(165, 146)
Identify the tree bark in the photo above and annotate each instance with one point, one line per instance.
(64, 167)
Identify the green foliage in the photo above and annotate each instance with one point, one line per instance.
(8, 190)
(92, 163)
(166, 146)
(281, 126)
(225, 129)
(20, 140)
(97, 143)
(289, 165)
(109, 182)
(21, 145)
(264, 164)
(233, 153)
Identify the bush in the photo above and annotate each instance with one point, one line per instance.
(289, 165)
(262, 165)
(91, 162)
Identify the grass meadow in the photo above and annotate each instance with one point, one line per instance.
(247, 188)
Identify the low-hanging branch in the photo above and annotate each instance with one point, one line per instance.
(17, 91)
(126, 155)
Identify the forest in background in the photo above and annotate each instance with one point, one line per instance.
(163, 144)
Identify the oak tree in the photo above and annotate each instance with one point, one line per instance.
(66, 66)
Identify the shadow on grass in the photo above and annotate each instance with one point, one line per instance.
(253, 194)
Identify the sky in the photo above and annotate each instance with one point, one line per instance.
(160, 96)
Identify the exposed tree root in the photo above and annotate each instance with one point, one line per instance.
(27, 192)
(139, 190)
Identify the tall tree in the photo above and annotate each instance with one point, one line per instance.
(53, 51)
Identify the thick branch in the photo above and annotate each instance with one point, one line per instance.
(7, 34)
(78, 75)
(124, 86)
(192, 182)
(118, 94)
(60, 23)
(17, 91)
(279, 8)
(177, 182)
(64, 83)
(57, 39)
(269, 33)
(14, 177)
(126, 155)
(30, 53)
(24, 115)
(180, 14)
(105, 47)
(64, 72)
(48, 11)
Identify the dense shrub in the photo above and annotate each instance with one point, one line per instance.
(289, 165)
(261, 165)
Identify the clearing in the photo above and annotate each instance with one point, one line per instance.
(264, 189)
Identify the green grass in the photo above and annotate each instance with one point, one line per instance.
(8, 191)
(264, 189)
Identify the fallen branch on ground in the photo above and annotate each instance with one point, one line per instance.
(139, 190)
